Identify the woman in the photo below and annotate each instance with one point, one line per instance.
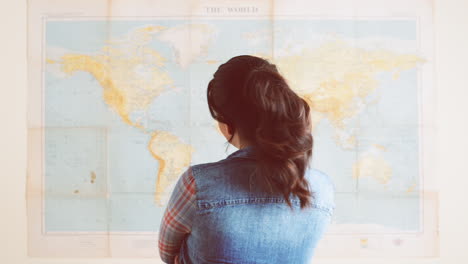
(263, 203)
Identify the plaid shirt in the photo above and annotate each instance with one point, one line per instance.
(176, 222)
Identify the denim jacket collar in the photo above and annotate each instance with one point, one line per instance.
(246, 152)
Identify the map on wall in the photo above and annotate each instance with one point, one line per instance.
(118, 111)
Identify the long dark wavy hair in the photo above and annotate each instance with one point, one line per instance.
(250, 95)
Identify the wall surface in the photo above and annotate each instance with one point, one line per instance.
(451, 48)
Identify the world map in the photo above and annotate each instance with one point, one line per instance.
(126, 113)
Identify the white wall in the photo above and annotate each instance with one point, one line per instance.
(451, 25)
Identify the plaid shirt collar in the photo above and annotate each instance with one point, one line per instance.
(246, 152)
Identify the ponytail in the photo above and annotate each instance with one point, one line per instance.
(252, 97)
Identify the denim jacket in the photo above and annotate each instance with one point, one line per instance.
(237, 222)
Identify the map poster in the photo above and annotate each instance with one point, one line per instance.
(117, 111)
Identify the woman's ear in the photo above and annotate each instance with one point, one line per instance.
(225, 130)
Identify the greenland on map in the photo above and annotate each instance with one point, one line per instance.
(118, 111)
